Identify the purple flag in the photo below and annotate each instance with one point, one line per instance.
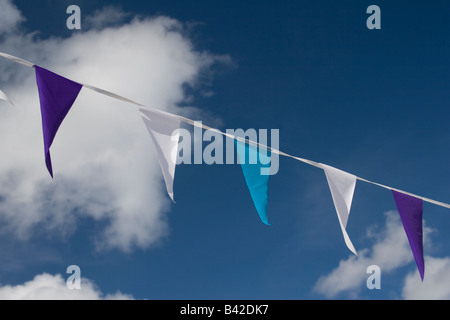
(411, 210)
(57, 95)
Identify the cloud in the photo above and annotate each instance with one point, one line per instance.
(53, 287)
(390, 251)
(10, 17)
(436, 283)
(106, 17)
(104, 164)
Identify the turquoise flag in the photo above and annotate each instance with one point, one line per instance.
(257, 183)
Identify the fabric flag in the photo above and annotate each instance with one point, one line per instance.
(342, 187)
(411, 211)
(256, 182)
(4, 97)
(57, 95)
(165, 135)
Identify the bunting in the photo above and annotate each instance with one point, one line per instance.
(411, 211)
(164, 132)
(57, 95)
(257, 183)
(342, 187)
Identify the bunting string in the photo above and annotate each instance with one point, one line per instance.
(57, 95)
(203, 126)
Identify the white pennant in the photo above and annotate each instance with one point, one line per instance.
(342, 187)
(162, 130)
(4, 97)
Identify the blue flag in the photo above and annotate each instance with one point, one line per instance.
(257, 183)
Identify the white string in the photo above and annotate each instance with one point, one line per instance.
(18, 60)
(201, 125)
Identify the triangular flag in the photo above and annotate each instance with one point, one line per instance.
(257, 183)
(57, 95)
(4, 97)
(342, 187)
(165, 136)
(411, 211)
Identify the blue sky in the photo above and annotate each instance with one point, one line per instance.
(370, 102)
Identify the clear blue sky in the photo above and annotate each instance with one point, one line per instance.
(370, 102)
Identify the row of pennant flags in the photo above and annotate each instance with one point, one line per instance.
(57, 94)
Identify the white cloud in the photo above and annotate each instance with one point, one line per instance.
(53, 287)
(390, 251)
(103, 160)
(107, 16)
(436, 283)
(10, 17)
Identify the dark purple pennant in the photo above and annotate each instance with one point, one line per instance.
(411, 211)
(57, 95)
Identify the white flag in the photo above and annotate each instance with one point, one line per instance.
(342, 187)
(165, 134)
(4, 97)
